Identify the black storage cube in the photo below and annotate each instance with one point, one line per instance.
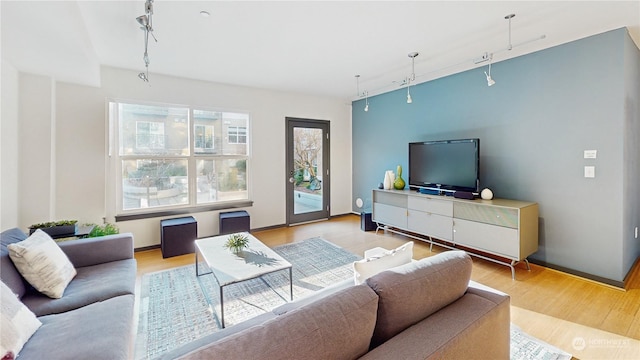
(365, 222)
(233, 222)
(177, 236)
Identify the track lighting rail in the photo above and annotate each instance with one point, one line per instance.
(482, 59)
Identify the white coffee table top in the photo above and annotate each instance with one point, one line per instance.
(255, 260)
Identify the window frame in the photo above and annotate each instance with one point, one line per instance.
(115, 160)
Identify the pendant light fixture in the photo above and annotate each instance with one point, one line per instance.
(365, 94)
(412, 77)
(146, 25)
(366, 101)
(490, 81)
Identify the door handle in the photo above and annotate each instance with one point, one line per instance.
(292, 180)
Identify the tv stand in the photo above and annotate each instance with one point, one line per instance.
(504, 228)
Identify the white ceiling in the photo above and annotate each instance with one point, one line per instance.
(313, 47)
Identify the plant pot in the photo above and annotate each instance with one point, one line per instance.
(56, 231)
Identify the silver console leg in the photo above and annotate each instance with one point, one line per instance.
(527, 262)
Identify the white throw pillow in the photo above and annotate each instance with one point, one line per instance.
(17, 323)
(366, 268)
(43, 264)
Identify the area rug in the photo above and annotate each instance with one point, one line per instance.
(174, 311)
(527, 347)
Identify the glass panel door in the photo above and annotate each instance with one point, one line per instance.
(307, 170)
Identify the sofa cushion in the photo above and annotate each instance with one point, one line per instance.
(339, 327)
(8, 272)
(91, 284)
(100, 331)
(42, 263)
(17, 323)
(366, 268)
(411, 292)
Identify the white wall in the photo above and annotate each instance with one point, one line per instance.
(9, 148)
(82, 189)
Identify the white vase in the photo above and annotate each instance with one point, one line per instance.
(387, 180)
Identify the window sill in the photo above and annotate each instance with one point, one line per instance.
(183, 211)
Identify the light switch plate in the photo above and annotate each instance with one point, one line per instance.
(589, 171)
(590, 154)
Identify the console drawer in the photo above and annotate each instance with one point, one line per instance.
(390, 215)
(429, 205)
(434, 225)
(494, 239)
(487, 214)
(390, 198)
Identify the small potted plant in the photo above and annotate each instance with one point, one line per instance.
(55, 228)
(237, 242)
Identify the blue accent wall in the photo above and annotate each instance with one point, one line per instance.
(534, 124)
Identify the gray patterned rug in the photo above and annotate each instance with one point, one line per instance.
(174, 311)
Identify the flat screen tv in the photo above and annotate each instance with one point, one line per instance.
(445, 166)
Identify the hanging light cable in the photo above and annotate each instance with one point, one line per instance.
(412, 77)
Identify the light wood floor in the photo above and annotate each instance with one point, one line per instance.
(585, 318)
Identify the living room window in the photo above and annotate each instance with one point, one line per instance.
(176, 157)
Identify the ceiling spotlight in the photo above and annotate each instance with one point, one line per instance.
(490, 81)
(366, 101)
(143, 20)
(205, 14)
(364, 94)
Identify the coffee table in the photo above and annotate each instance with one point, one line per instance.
(229, 268)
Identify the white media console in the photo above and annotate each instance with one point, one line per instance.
(507, 229)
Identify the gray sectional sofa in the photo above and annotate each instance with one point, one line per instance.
(94, 318)
(428, 309)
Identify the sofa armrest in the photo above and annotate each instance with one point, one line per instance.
(93, 251)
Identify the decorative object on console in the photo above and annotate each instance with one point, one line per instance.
(398, 184)
(486, 194)
(389, 178)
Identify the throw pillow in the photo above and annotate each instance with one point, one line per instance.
(43, 264)
(366, 268)
(17, 323)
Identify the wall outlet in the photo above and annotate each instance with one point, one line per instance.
(589, 171)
